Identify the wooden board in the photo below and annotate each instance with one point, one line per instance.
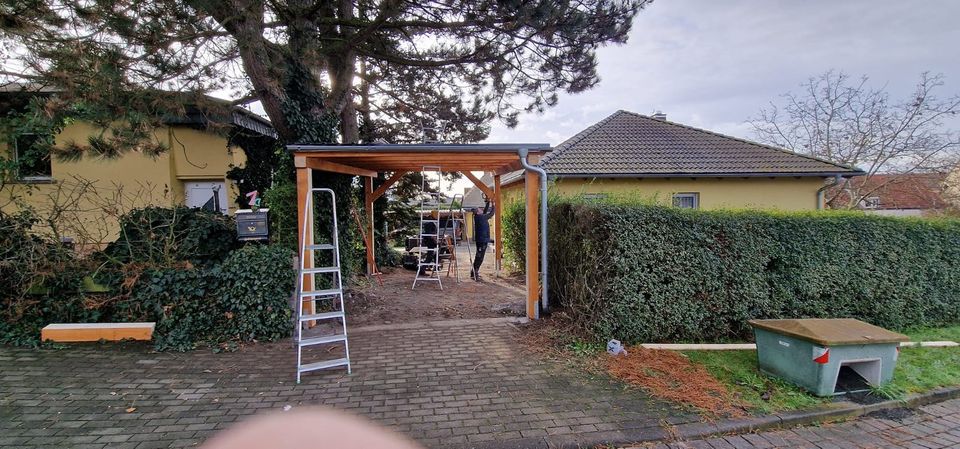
(77, 332)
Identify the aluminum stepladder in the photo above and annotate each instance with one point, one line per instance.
(428, 267)
(457, 220)
(333, 295)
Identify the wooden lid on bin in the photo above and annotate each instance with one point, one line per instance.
(831, 331)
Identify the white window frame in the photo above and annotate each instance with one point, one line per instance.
(872, 202)
(695, 196)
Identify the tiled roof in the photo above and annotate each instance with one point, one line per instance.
(630, 144)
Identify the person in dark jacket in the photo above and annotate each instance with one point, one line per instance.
(481, 229)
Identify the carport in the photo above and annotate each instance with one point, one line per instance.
(367, 161)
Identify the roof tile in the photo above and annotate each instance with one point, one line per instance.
(627, 143)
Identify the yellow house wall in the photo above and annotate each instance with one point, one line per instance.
(118, 185)
(781, 193)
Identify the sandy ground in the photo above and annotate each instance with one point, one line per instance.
(396, 302)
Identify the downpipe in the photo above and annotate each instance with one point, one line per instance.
(544, 301)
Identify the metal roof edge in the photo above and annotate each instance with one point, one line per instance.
(435, 147)
(845, 174)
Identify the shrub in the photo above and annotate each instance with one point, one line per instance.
(650, 273)
(37, 278)
(514, 234)
(255, 293)
(162, 236)
(246, 298)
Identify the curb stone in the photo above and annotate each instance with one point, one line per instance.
(825, 413)
(699, 430)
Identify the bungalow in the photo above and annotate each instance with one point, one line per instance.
(192, 171)
(649, 157)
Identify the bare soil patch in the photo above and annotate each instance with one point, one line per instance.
(397, 302)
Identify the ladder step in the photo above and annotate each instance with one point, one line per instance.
(320, 246)
(315, 293)
(324, 364)
(321, 340)
(320, 270)
(322, 316)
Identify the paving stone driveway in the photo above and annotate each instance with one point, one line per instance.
(930, 427)
(463, 384)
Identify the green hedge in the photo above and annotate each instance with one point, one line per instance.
(650, 273)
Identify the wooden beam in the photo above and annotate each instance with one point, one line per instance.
(480, 185)
(304, 184)
(325, 165)
(532, 244)
(498, 224)
(368, 218)
(76, 332)
(387, 184)
(511, 167)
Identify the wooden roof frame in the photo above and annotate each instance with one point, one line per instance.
(368, 161)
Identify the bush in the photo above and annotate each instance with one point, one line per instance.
(193, 286)
(514, 235)
(246, 298)
(649, 273)
(161, 236)
(255, 293)
(37, 278)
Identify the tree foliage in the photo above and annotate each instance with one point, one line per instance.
(472, 60)
(843, 120)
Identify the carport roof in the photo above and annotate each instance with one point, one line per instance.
(495, 157)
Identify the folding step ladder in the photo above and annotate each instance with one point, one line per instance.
(428, 265)
(331, 296)
(456, 221)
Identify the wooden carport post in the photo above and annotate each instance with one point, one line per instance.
(368, 200)
(304, 185)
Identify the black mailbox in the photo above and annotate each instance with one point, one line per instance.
(253, 225)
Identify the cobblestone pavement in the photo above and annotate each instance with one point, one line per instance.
(463, 384)
(930, 427)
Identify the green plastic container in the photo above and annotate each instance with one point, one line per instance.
(810, 352)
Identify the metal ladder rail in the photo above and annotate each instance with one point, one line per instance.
(434, 266)
(459, 220)
(313, 294)
(429, 199)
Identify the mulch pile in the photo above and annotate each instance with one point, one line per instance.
(670, 375)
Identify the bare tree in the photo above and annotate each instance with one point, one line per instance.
(844, 120)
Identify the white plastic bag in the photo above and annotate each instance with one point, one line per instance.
(614, 347)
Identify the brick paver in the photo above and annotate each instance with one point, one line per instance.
(447, 385)
(934, 426)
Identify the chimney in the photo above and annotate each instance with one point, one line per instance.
(659, 115)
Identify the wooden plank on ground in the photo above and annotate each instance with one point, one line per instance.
(77, 332)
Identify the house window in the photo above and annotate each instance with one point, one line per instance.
(872, 202)
(687, 200)
(209, 195)
(33, 161)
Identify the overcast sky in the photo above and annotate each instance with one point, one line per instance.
(714, 64)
